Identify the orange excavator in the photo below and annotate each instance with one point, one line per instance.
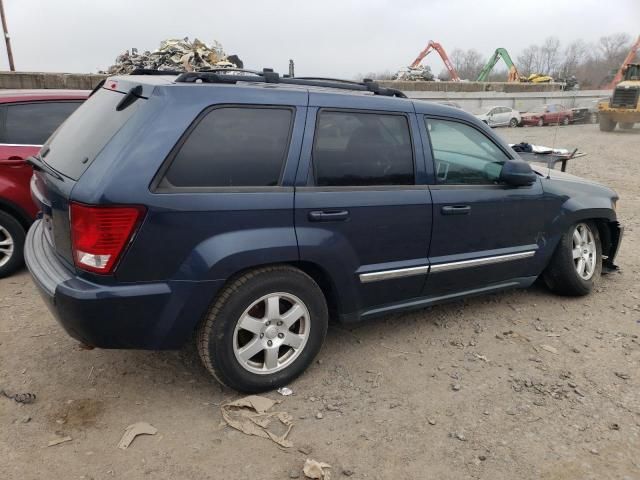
(438, 48)
(620, 73)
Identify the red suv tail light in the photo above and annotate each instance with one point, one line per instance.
(99, 235)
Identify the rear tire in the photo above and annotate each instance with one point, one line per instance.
(576, 264)
(246, 317)
(565, 121)
(12, 237)
(606, 124)
(626, 126)
(541, 122)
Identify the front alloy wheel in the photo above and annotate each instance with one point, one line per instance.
(576, 264)
(6, 246)
(584, 251)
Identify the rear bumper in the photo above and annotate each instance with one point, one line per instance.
(529, 121)
(158, 315)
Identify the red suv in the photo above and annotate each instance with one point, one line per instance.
(27, 119)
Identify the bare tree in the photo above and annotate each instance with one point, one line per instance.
(549, 56)
(467, 63)
(529, 60)
(574, 55)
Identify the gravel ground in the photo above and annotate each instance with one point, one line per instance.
(465, 390)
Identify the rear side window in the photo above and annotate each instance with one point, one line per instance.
(234, 147)
(73, 147)
(33, 123)
(362, 149)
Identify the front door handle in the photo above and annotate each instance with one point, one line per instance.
(456, 210)
(328, 215)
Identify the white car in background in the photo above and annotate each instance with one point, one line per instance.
(500, 116)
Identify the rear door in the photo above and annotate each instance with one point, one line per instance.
(484, 232)
(362, 211)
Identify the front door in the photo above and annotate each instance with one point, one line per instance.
(360, 212)
(484, 232)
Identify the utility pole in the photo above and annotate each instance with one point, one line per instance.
(6, 38)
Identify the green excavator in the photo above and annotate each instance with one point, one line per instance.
(513, 75)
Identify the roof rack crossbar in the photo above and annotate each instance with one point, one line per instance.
(269, 76)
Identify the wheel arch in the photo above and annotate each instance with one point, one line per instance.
(16, 212)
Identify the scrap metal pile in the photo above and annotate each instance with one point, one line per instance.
(413, 74)
(176, 54)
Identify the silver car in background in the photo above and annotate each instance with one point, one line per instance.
(500, 117)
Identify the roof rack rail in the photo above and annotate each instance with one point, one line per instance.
(269, 76)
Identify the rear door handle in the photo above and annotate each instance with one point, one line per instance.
(456, 210)
(328, 215)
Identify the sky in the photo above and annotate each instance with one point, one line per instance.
(335, 38)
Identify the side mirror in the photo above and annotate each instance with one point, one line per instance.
(517, 173)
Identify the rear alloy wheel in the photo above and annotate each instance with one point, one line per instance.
(264, 329)
(513, 123)
(541, 122)
(565, 121)
(577, 262)
(11, 244)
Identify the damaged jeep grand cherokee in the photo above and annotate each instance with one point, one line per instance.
(244, 210)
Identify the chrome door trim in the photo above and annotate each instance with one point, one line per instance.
(443, 267)
(389, 274)
(478, 262)
(19, 145)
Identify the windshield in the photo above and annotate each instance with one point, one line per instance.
(633, 72)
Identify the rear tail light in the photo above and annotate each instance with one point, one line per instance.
(99, 235)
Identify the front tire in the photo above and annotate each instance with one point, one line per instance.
(264, 329)
(513, 123)
(565, 121)
(576, 264)
(606, 124)
(12, 237)
(541, 122)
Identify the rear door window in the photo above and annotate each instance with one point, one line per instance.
(362, 149)
(32, 123)
(233, 147)
(73, 147)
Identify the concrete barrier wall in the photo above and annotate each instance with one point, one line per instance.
(521, 101)
(472, 96)
(29, 80)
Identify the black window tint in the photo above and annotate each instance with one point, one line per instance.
(464, 155)
(33, 123)
(234, 147)
(360, 149)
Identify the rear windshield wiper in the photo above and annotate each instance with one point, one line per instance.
(131, 96)
(41, 166)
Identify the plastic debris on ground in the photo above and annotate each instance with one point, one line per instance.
(317, 470)
(132, 431)
(58, 441)
(250, 415)
(285, 391)
(419, 73)
(177, 55)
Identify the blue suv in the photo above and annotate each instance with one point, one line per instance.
(246, 209)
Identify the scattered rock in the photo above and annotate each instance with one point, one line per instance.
(58, 441)
(431, 421)
(594, 451)
(614, 426)
(549, 349)
(623, 376)
(319, 416)
(294, 474)
(305, 449)
(347, 472)
(482, 458)
(455, 387)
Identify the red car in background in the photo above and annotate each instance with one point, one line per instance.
(552, 114)
(27, 119)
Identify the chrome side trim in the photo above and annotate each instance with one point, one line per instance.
(477, 262)
(389, 274)
(19, 145)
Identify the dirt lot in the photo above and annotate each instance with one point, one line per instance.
(465, 390)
